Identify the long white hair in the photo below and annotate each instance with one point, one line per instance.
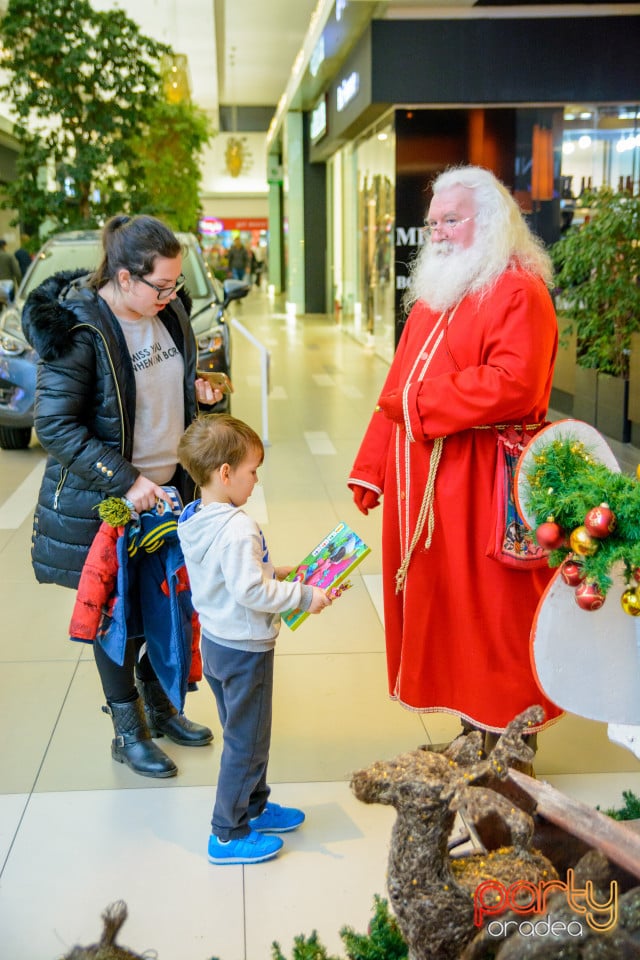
(502, 241)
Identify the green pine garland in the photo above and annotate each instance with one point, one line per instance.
(383, 941)
(565, 483)
(631, 809)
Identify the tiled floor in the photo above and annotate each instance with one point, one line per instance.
(78, 831)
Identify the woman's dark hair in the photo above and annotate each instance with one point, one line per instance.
(134, 244)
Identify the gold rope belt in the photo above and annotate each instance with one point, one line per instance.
(426, 507)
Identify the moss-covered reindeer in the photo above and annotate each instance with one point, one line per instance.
(432, 895)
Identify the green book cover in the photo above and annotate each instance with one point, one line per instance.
(328, 564)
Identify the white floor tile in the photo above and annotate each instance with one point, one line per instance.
(373, 583)
(326, 876)
(78, 852)
(22, 501)
(319, 442)
(12, 807)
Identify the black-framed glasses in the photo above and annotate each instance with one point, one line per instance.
(163, 292)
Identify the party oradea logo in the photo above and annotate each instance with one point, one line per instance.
(527, 899)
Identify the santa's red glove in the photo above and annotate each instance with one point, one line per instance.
(391, 405)
(365, 499)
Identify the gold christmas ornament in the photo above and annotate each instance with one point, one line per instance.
(630, 602)
(582, 542)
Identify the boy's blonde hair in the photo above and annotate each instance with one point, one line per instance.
(215, 439)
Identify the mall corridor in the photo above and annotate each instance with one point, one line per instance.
(79, 831)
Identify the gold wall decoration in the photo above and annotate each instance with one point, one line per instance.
(174, 69)
(237, 156)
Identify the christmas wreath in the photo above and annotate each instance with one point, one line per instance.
(588, 517)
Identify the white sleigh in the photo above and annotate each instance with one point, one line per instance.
(586, 662)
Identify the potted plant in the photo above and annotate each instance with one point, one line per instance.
(598, 279)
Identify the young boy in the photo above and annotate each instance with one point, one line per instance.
(239, 596)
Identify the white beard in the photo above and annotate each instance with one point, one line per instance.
(444, 273)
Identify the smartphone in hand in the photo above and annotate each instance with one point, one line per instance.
(218, 380)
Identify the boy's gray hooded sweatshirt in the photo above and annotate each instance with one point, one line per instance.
(233, 582)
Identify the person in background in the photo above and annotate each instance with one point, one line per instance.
(10, 273)
(116, 386)
(239, 596)
(473, 368)
(260, 254)
(22, 254)
(238, 259)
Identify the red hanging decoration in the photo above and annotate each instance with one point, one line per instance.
(600, 521)
(550, 535)
(572, 572)
(589, 596)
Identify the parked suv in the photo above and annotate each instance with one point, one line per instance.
(78, 249)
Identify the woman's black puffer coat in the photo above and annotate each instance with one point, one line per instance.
(84, 414)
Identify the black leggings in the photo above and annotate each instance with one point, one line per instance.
(118, 682)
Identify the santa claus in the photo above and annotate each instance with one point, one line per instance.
(470, 380)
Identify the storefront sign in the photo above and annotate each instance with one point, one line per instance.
(210, 226)
(317, 57)
(347, 90)
(318, 122)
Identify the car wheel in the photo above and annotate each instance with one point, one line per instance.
(15, 438)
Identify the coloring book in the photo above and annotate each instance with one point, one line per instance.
(328, 565)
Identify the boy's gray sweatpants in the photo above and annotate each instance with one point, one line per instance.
(242, 684)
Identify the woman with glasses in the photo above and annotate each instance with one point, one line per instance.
(116, 388)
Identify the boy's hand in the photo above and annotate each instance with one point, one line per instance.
(283, 572)
(319, 601)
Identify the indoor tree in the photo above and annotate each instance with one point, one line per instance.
(169, 170)
(84, 87)
(598, 279)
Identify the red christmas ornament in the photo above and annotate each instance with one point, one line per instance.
(600, 521)
(549, 535)
(572, 572)
(636, 574)
(589, 596)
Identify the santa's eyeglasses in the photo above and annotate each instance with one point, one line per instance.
(446, 226)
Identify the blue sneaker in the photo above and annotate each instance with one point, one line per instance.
(277, 819)
(253, 848)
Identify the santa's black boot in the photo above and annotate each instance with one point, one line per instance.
(164, 720)
(132, 743)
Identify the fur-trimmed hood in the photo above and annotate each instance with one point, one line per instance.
(54, 308)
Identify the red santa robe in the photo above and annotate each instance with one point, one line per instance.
(457, 634)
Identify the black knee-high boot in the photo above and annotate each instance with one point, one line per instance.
(132, 743)
(164, 720)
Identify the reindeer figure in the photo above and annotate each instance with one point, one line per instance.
(107, 949)
(434, 904)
